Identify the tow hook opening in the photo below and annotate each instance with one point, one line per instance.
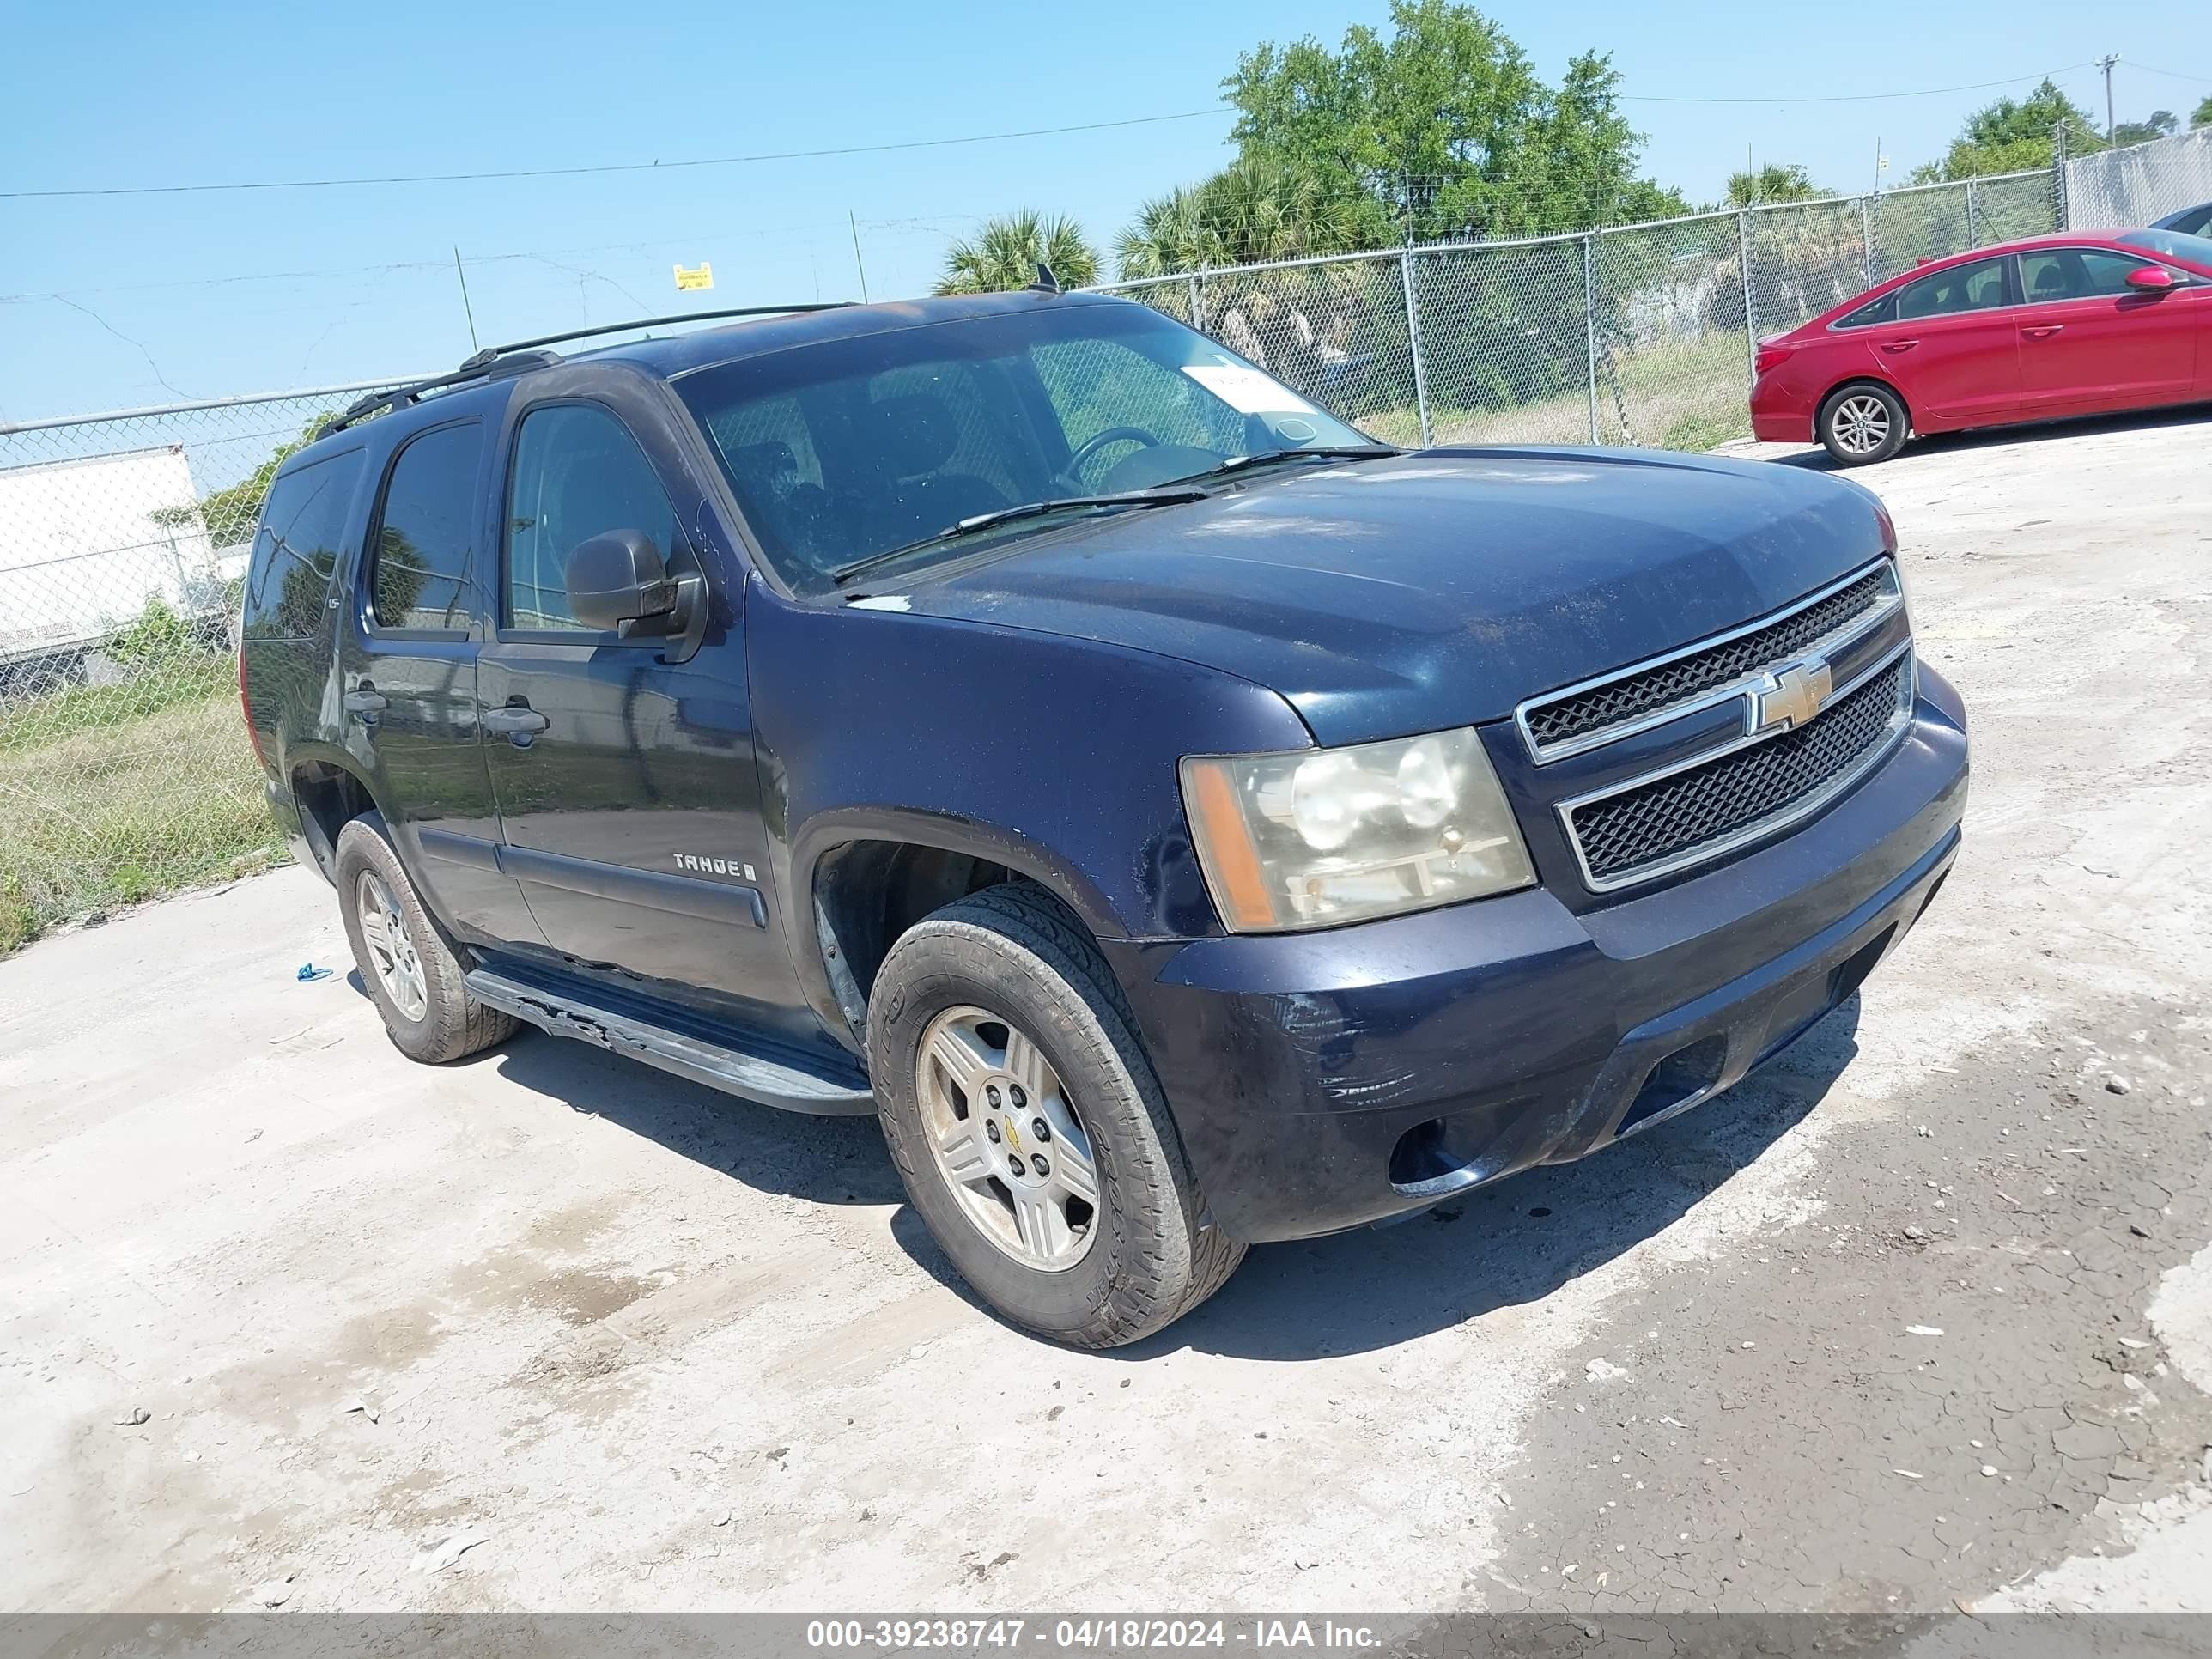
(1683, 1077)
(1443, 1155)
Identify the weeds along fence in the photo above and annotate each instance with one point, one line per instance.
(1639, 334)
(123, 764)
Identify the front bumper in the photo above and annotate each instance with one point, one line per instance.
(1324, 1080)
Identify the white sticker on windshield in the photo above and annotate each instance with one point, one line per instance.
(1247, 390)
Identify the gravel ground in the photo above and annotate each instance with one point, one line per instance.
(1922, 1314)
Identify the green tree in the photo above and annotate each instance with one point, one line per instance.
(2202, 117)
(229, 514)
(2160, 123)
(2014, 135)
(1446, 128)
(1004, 254)
(159, 636)
(1774, 182)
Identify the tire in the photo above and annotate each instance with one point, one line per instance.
(1862, 422)
(448, 1023)
(1018, 959)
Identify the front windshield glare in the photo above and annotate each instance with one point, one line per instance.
(845, 449)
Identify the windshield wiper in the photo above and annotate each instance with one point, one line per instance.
(1325, 452)
(969, 526)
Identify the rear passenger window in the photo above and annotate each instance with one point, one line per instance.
(578, 473)
(1978, 287)
(295, 547)
(422, 558)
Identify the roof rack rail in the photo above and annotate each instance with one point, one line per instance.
(495, 362)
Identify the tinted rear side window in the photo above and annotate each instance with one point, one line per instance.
(1883, 310)
(1977, 287)
(296, 547)
(421, 573)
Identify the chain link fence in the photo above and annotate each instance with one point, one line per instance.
(123, 764)
(1636, 334)
(2143, 182)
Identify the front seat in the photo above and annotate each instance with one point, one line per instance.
(920, 435)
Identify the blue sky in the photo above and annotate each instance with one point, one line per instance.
(209, 294)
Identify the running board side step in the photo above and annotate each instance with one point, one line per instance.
(730, 1069)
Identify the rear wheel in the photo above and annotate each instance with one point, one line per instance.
(1863, 422)
(1029, 1128)
(411, 973)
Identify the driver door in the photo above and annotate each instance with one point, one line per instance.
(2090, 343)
(629, 800)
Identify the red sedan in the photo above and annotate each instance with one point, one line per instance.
(2080, 324)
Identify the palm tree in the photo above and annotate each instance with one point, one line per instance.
(1774, 182)
(1004, 252)
(1249, 213)
(1170, 235)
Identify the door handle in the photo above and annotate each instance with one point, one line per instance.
(518, 722)
(366, 702)
(1898, 345)
(2043, 330)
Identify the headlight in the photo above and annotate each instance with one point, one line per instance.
(1321, 837)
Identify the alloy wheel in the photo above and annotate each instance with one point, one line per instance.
(392, 951)
(1007, 1139)
(1861, 424)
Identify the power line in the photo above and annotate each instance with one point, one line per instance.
(2201, 80)
(1856, 97)
(607, 167)
(832, 152)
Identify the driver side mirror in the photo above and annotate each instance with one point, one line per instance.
(2152, 279)
(618, 582)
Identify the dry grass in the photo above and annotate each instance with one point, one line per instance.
(1690, 395)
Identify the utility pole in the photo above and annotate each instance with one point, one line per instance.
(857, 265)
(2106, 63)
(465, 307)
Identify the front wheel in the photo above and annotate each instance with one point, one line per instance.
(1029, 1128)
(1863, 424)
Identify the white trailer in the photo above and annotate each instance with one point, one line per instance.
(85, 544)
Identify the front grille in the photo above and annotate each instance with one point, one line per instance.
(1688, 815)
(1640, 692)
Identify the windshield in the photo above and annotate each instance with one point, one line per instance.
(2197, 250)
(848, 449)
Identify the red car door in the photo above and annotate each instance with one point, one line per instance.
(2088, 342)
(1954, 348)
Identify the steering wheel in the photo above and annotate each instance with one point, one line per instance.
(1098, 440)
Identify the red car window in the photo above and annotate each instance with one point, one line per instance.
(1883, 310)
(2067, 273)
(1977, 287)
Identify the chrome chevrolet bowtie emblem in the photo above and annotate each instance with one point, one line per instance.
(1793, 696)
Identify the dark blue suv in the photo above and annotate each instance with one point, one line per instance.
(1184, 822)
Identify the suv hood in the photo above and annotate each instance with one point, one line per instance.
(1431, 590)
